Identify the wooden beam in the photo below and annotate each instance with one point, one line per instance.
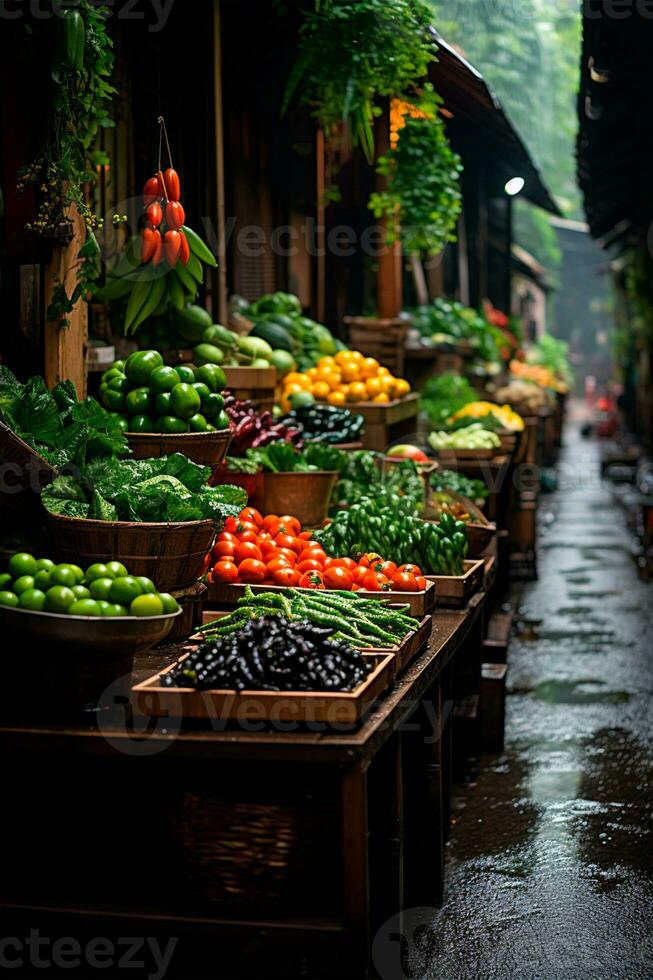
(390, 271)
(65, 347)
(223, 311)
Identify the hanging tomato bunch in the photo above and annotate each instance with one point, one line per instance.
(163, 192)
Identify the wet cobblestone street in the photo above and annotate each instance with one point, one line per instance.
(550, 861)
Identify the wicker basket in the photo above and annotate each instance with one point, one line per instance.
(207, 448)
(306, 495)
(34, 472)
(172, 554)
(384, 339)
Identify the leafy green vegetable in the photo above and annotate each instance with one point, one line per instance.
(364, 475)
(167, 489)
(443, 480)
(444, 395)
(282, 457)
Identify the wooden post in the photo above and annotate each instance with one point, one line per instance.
(65, 347)
(223, 306)
(389, 276)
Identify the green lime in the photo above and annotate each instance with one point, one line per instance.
(186, 373)
(84, 607)
(42, 579)
(221, 421)
(141, 423)
(163, 379)
(170, 423)
(210, 428)
(124, 589)
(301, 399)
(79, 574)
(115, 609)
(44, 564)
(146, 584)
(197, 423)
(100, 588)
(63, 575)
(184, 401)
(113, 401)
(97, 570)
(146, 605)
(103, 605)
(32, 599)
(81, 592)
(162, 404)
(23, 583)
(59, 598)
(202, 390)
(140, 364)
(5, 579)
(212, 375)
(22, 563)
(170, 604)
(116, 569)
(8, 599)
(139, 401)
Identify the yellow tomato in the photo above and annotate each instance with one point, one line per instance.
(321, 389)
(350, 371)
(355, 355)
(336, 398)
(295, 378)
(369, 367)
(401, 387)
(325, 371)
(383, 371)
(357, 392)
(343, 390)
(374, 386)
(381, 398)
(292, 387)
(312, 373)
(342, 357)
(326, 361)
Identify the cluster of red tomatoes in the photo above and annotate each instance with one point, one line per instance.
(274, 550)
(163, 190)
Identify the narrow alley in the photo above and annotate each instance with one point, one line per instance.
(551, 857)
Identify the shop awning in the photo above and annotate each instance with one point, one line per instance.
(469, 99)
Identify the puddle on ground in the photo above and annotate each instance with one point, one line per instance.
(587, 691)
(579, 579)
(587, 594)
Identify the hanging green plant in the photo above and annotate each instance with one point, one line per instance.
(353, 52)
(423, 198)
(80, 71)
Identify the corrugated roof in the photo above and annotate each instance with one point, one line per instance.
(468, 96)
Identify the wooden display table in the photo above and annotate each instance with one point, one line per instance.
(385, 425)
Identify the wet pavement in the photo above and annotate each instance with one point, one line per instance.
(550, 861)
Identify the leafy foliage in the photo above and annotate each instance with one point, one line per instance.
(444, 395)
(423, 198)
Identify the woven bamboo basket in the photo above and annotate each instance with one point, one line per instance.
(34, 472)
(206, 448)
(171, 554)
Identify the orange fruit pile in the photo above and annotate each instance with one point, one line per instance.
(347, 378)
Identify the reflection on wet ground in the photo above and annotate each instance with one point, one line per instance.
(550, 862)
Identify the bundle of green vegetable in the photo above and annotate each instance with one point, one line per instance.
(443, 395)
(362, 622)
(443, 480)
(283, 457)
(474, 436)
(448, 322)
(278, 320)
(370, 527)
(171, 488)
(55, 424)
(364, 474)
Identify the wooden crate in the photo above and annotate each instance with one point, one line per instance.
(253, 384)
(382, 338)
(387, 424)
(457, 590)
(410, 646)
(302, 707)
(223, 595)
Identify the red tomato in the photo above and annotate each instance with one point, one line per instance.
(223, 549)
(359, 574)
(311, 580)
(305, 535)
(244, 527)
(230, 525)
(227, 536)
(206, 563)
(290, 542)
(290, 525)
(252, 570)
(286, 576)
(266, 545)
(287, 553)
(247, 549)
(338, 578)
(224, 571)
(388, 568)
(421, 582)
(405, 582)
(309, 565)
(338, 563)
(250, 536)
(376, 582)
(411, 569)
(315, 552)
(251, 515)
(370, 559)
(274, 564)
(269, 521)
(355, 587)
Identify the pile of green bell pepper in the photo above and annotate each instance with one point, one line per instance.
(366, 527)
